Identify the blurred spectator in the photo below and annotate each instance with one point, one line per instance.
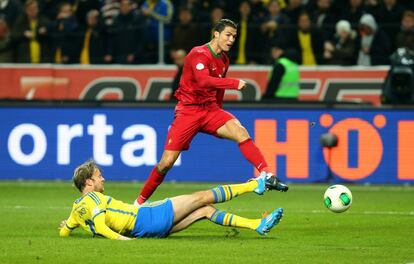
(216, 14)
(408, 4)
(308, 41)
(92, 40)
(30, 35)
(62, 32)
(199, 9)
(109, 10)
(284, 79)
(324, 18)
(258, 10)
(126, 36)
(82, 8)
(186, 33)
(10, 10)
(353, 12)
(405, 38)
(293, 10)
(275, 26)
(342, 50)
(373, 45)
(389, 16)
(6, 51)
(245, 51)
(157, 11)
(178, 57)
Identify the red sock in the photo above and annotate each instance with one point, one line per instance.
(151, 185)
(253, 154)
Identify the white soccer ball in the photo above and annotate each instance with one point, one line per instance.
(337, 198)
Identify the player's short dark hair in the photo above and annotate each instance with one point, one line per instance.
(83, 173)
(223, 23)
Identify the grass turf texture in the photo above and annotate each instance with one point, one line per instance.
(377, 228)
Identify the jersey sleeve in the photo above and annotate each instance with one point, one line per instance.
(202, 76)
(97, 214)
(102, 229)
(70, 224)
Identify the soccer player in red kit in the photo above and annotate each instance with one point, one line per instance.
(199, 109)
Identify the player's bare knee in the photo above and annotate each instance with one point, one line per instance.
(202, 197)
(242, 134)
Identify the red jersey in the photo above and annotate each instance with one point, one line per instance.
(202, 80)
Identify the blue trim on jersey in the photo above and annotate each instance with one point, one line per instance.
(97, 197)
(79, 199)
(121, 211)
(102, 211)
(91, 226)
(94, 197)
(68, 227)
(109, 200)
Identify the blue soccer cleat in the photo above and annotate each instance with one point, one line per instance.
(270, 221)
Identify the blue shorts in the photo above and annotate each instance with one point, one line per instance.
(154, 219)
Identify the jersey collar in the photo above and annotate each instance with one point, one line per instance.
(217, 55)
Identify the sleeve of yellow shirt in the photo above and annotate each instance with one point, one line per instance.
(102, 229)
(98, 215)
(69, 226)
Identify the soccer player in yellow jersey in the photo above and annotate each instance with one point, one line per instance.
(103, 215)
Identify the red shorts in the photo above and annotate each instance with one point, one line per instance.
(191, 119)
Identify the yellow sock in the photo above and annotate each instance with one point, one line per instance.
(227, 192)
(226, 219)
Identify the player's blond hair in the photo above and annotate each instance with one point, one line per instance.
(84, 172)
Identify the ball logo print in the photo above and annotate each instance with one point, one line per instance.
(337, 198)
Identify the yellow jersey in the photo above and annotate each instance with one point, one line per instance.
(100, 214)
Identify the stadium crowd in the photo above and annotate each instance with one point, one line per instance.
(334, 32)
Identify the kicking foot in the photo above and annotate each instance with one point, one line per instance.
(270, 221)
(261, 187)
(273, 183)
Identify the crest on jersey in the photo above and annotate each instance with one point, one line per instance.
(199, 66)
(95, 210)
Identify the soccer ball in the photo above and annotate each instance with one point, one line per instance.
(337, 198)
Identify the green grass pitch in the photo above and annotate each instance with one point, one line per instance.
(378, 228)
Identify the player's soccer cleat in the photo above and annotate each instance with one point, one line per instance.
(261, 187)
(270, 221)
(273, 183)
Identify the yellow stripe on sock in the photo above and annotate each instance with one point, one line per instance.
(227, 192)
(226, 219)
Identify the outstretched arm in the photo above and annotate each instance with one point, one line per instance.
(204, 80)
(102, 229)
(66, 226)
